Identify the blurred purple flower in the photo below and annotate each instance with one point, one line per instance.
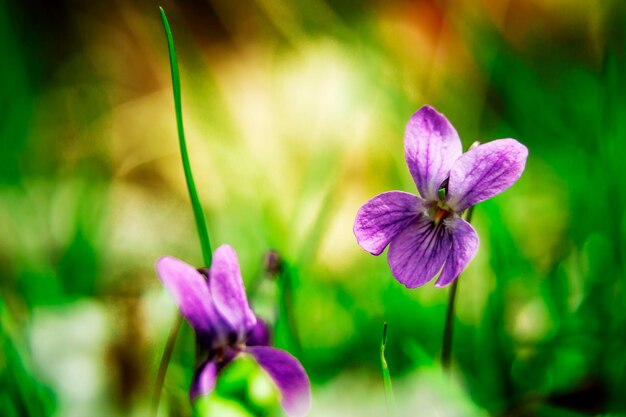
(426, 234)
(214, 303)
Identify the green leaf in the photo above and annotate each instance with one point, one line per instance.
(201, 225)
(389, 397)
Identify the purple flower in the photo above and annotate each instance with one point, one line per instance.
(426, 234)
(214, 303)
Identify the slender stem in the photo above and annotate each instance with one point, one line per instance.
(191, 186)
(165, 360)
(285, 283)
(446, 352)
(447, 333)
(389, 397)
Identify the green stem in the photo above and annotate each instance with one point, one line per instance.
(446, 351)
(165, 360)
(389, 397)
(191, 186)
(285, 285)
(447, 333)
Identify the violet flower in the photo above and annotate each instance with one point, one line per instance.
(426, 234)
(214, 303)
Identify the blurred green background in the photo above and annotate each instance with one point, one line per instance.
(295, 113)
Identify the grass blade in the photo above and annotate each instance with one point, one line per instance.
(389, 397)
(198, 213)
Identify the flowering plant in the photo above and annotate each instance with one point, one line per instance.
(214, 303)
(426, 233)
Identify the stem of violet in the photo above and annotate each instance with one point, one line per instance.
(446, 351)
(198, 212)
(286, 301)
(165, 360)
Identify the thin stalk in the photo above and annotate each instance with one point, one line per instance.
(165, 360)
(446, 351)
(389, 397)
(285, 285)
(198, 213)
(447, 333)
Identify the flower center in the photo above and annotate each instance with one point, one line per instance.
(440, 214)
(220, 354)
(439, 211)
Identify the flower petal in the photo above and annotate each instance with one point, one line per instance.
(419, 252)
(485, 171)
(259, 335)
(191, 292)
(204, 379)
(431, 145)
(464, 247)
(288, 375)
(381, 219)
(229, 294)
(205, 376)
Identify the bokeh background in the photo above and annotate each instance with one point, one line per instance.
(295, 113)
